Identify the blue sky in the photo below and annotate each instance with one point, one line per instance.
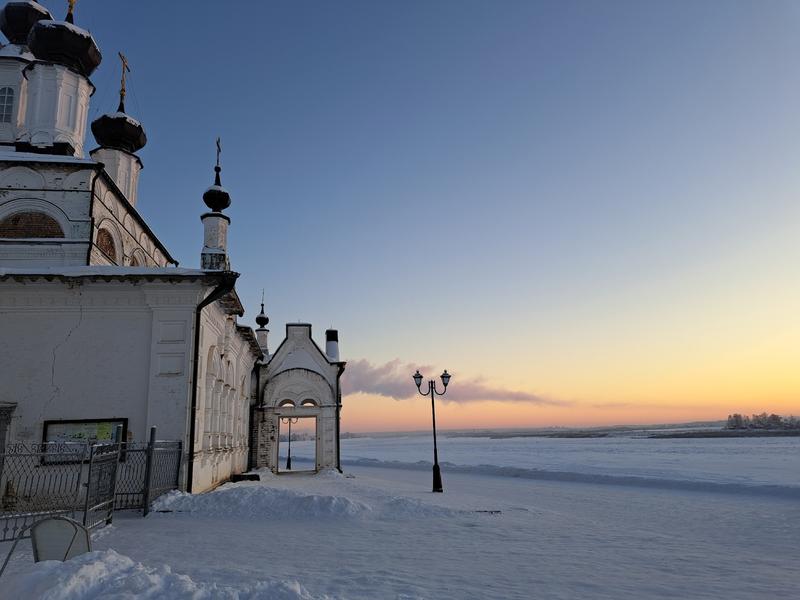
(506, 189)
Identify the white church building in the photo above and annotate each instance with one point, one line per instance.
(99, 326)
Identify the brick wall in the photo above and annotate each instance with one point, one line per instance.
(264, 437)
(30, 225)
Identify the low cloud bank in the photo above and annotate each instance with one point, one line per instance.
(393, 380)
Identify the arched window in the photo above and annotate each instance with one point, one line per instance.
(106, 243)
(286, 403)
(308, 402)
(6, 104)
(135, 261)
(30, 224)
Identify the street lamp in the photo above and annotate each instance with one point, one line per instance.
(289, 420)
(433, 392)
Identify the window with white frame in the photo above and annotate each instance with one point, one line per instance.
(6, 104)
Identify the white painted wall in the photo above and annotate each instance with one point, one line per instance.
(80, 349)
(124, 169)
(223, 399)
(114, 214)
(13, 59)
(57, 106)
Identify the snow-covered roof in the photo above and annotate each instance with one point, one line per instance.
(250, 336)
(44, 158)
(73, 28)
(106, 271)
(126, 116)
(16, 51)
(37, 7)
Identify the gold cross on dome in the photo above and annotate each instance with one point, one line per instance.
(71, 8)
(125, 69)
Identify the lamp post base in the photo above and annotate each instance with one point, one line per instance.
(437, 479)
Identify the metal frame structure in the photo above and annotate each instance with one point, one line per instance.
(433, 392)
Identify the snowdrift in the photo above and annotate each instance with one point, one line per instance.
(249, 499)
(259, 500)
(107, 574)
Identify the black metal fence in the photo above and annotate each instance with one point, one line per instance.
(37, 480)
(147, 471)
(101, 484)
(131, 477)
(82, 481)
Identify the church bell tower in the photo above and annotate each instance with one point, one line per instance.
(45, 72)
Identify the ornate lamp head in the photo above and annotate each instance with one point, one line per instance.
(445, 378)
(418, 378)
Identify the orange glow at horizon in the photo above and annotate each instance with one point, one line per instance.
(696, 342)
(369, 413)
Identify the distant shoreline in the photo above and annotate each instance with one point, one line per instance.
(729, 433)
(714, 433)
(708, 433)
(697, 429)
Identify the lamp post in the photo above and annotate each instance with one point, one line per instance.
(433, 392)
(289, 420)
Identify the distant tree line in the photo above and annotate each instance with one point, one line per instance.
(762, 421)
(298, 437)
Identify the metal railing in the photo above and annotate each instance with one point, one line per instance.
(39, 480)
(101, 484)
(82, 481)
(147, 471)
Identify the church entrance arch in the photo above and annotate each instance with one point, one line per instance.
(304, 400)
(298, 443)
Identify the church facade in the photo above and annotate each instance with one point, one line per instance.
(99, 326)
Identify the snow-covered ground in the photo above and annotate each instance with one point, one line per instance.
(766, 464)
(378, 532)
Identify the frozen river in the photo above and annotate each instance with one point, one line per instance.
(766, 464)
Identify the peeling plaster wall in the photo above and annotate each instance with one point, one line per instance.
(97, 350)
(62, 192)
(107, 349)
(130, 238)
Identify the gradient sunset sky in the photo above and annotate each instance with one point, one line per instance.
(587, 212)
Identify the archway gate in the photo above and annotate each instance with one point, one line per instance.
(299, 380)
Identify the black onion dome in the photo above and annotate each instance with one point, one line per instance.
(119, 131)
(65, 44)
(262, 320)
(17, 19)
(216, 197)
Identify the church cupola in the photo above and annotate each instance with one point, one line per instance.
(262, 333)
(54, 90)
(214, 256)
(120, 136)
(217, 197)
(63, 43)
(17, 19)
